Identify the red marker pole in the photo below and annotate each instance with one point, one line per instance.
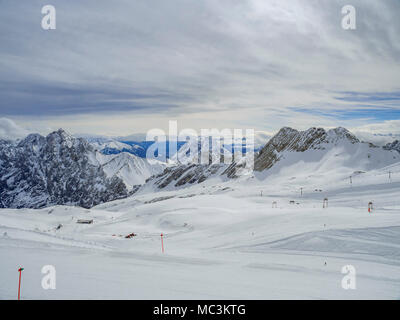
(162, 243)
(19, 283)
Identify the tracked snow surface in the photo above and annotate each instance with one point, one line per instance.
(264, 235)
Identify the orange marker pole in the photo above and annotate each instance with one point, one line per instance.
(19, 283)
(162, 243)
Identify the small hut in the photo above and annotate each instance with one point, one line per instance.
(370, 206)
(325, 203)
(131, 235)
(274, 204)
(84, 221)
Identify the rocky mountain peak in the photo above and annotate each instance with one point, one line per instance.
(288, 139)
(57, 169)
(395, 145)
(61, 137)
(340, 133)
(34, 139)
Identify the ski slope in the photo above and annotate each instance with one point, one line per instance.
(223, 240)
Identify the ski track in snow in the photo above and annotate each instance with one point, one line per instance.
(227, 244)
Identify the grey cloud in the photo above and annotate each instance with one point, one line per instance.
(177, 57)
(9, 130)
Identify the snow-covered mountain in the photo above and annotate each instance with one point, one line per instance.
(194, 165)
(101, 144)
(116, 145)
(317, 150)
(57, 169)
(131, 169)
(110, 146)
(309, 151)
(61, 169)
(217, 150)
(395, 145)
(291, 140)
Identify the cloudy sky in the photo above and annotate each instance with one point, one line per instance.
(126, 66)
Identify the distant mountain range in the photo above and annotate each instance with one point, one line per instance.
(139, 148)
(313, 149)
(60, 169)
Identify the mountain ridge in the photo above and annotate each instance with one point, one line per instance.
(288, 139)
(61, 169)
(57, 169)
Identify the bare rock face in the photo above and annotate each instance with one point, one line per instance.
(60, 169)
(185, 174)
(395, 145)
(54, 170)
(288, 139)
